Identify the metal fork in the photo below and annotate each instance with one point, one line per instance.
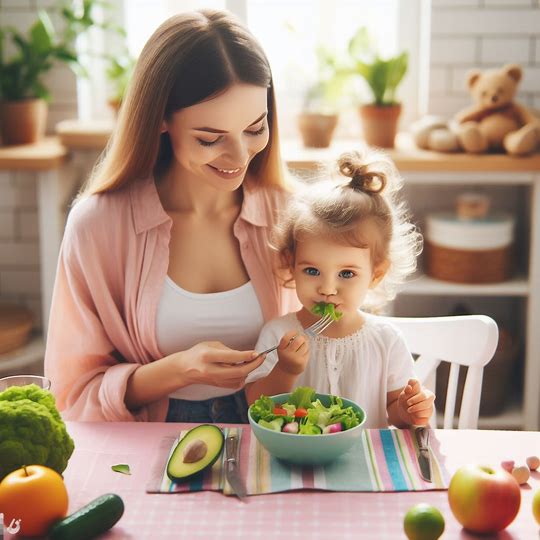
(315, 329)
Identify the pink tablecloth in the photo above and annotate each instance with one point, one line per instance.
(313, 515)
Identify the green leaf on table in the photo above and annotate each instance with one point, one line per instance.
(122, 468)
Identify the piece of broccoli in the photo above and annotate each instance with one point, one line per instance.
(32, 431)
(323, 309)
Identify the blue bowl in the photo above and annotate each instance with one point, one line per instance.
(308, 449)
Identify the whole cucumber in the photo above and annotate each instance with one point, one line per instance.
(91, 520)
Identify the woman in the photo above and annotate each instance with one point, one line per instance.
(165, 277)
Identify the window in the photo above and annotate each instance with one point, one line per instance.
(290, 31)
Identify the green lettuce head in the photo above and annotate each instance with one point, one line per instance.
(32, 431)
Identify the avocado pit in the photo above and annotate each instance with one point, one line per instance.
(195, 451)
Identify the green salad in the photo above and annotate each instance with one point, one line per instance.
(323, 309)
(304, 414)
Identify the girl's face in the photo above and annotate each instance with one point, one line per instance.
(214, 141)
(339, 274)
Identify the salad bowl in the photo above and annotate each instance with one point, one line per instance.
(323, 444)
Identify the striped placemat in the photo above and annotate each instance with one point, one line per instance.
(381, 460)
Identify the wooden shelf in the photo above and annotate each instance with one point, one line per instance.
(29, 354)
(408, 157)
(44, 155)
(76, 134)
(424, 285)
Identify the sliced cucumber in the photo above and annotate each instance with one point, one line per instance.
(91, 520)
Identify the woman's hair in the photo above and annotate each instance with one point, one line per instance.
(190, 58)
(362, 190)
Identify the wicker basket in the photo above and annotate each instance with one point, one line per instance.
(15, 327)
(465, 251)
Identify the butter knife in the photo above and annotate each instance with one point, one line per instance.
(232, 470)
(424, 461)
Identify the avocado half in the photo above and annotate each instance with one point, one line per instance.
(198, 449)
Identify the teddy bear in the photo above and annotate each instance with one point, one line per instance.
(494, 123)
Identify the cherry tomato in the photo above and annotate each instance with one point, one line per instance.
(300, 413)
(278, 411)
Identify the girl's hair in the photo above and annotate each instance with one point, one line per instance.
(190, 58)
(365, 191)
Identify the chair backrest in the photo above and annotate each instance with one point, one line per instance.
(465, 340)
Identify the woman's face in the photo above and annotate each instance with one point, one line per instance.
(214, 141)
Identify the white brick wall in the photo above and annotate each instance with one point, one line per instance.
(483, 34)
(19, 243)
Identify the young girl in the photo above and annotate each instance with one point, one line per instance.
(340, 241)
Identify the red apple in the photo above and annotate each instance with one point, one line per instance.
(484, 499)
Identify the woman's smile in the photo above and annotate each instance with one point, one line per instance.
(227, 173)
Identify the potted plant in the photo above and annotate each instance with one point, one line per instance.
(23, 95)
(319, 116)
(379, 118)
(119, 70)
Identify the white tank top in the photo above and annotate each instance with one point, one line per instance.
(185, 318)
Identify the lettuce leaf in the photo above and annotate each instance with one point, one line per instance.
(302, 397)
(263, 409)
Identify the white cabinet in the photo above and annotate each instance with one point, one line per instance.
(514, 303)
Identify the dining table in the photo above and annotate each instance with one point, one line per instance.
(306, 514)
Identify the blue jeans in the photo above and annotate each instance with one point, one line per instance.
(225, 410)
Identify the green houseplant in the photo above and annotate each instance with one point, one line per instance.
(119, 70)
(23, 94)
(320, 111)
(383, 77)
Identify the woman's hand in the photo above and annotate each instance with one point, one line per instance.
(293, 353)
(215, 364)
(415, 404)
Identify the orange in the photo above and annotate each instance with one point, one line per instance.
(423, 522)
(36, 496)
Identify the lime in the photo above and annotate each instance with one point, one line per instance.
(423, 522)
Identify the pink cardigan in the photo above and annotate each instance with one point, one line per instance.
(112, 265)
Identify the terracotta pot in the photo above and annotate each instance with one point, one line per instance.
(115, 105)
(379, 124)
(23, 121)
(317, 129)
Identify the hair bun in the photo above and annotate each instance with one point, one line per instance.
(367, 181)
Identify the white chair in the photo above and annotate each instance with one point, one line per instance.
(467, 340)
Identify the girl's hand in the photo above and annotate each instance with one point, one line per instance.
(415, 404)
(213, 363)
(293, 353)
